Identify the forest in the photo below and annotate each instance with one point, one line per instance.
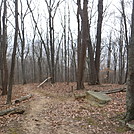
(66, 66)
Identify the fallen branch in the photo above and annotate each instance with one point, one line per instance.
(114, 90)
(43, 82)
(12, 111)
(23, 98)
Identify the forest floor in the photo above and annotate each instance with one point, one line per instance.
(53, 109)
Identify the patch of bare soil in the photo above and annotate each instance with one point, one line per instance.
(53, 109)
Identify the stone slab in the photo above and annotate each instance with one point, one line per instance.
(99, 97)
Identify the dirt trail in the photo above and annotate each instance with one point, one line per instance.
(45, 116)
(33, 122)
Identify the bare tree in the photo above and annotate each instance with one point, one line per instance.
(126, 36)
(11, 77)
(52, 8)
(98, 37)
(40, 35)
(22, 39)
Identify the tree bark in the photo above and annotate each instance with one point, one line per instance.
(130, 85)
(1, 42)
(4, 51)
(98, 37)
(109, 59)
(82, 49)
(79, 85)
(121, 53)
(11, 77)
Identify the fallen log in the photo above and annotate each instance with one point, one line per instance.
(12, 111)
(43, 82)
(114, 90)
(23, 98)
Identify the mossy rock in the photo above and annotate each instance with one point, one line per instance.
(98, 97)
(130, 125)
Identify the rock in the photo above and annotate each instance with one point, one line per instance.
(130, 125)
(98, 97)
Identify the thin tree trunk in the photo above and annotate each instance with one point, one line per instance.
(33, 56)
(121, 54)
(65, 43)
(40, 63)
(109, 59)
(11, 77)
(68, 72)
(44, 44)
(115, 64)
(4, 51)
(51, 46)
(126, 36)
(79, 82)
(74, 68)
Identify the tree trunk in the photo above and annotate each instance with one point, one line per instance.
(11, 77)
(33, 55)
(98, 36)
(4, 51)
(1, 42)
(83, 47)
(65, 43)
(115, 63)
(40, 63)
(126, 36)
(91, 64)
(68, 71)
(79, 85)
(121, 54)
(130, 87)
(109, 59)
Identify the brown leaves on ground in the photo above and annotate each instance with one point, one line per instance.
(54, 110)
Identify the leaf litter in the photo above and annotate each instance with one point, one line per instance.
(54, 109)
